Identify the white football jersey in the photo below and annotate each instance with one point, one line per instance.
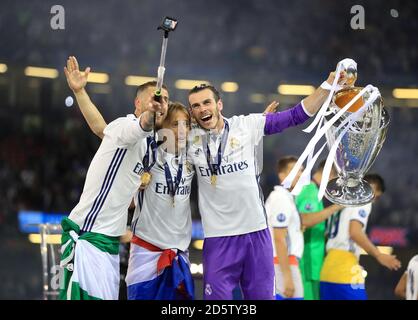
(338, 228)
(155, 219)
(412, 279)
(112, 179)
(282, 213)
(235, 205)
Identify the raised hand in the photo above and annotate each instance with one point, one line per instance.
(153, 106)
(341, 80)
(76, 79)
(271, 108)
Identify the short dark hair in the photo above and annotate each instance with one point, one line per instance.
(377, 180)
(284, 162)
(146, 85)
(204, 86)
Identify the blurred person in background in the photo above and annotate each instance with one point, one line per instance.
(314, 238)
(341, 276)
(287, 227)
(407, 287)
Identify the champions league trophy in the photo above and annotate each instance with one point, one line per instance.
(354, 139)
(354, 123)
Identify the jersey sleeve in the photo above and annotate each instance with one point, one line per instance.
(413, 263)
(360, 214)
(279, 121)
(126, 131)
(255, 123)
(279, 210)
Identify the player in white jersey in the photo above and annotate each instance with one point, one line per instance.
(286, 226)
(226, 154)
(341, 275)
(162, 222)
(162, 219)
(407, 287)
(90, 240)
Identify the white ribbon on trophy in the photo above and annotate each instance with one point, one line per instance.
(321, 130)
(318, 121)
(351, 120)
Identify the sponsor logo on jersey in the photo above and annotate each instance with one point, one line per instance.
(225, 169)
(139, 168)
(162, 188)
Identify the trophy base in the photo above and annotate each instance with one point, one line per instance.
(348, 194)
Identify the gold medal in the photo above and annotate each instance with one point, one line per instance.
(189, 167)
(213, 180)
(145, 179)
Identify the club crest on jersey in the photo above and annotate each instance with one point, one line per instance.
(187, 164)
(281, 217)
(308, 207)
(362, 213)
(189, 167)
(234, 143)
(196, 140)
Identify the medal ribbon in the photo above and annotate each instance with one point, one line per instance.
(213, 167)
(151, 143)
(173, 186)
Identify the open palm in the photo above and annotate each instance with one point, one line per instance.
(76, 79)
